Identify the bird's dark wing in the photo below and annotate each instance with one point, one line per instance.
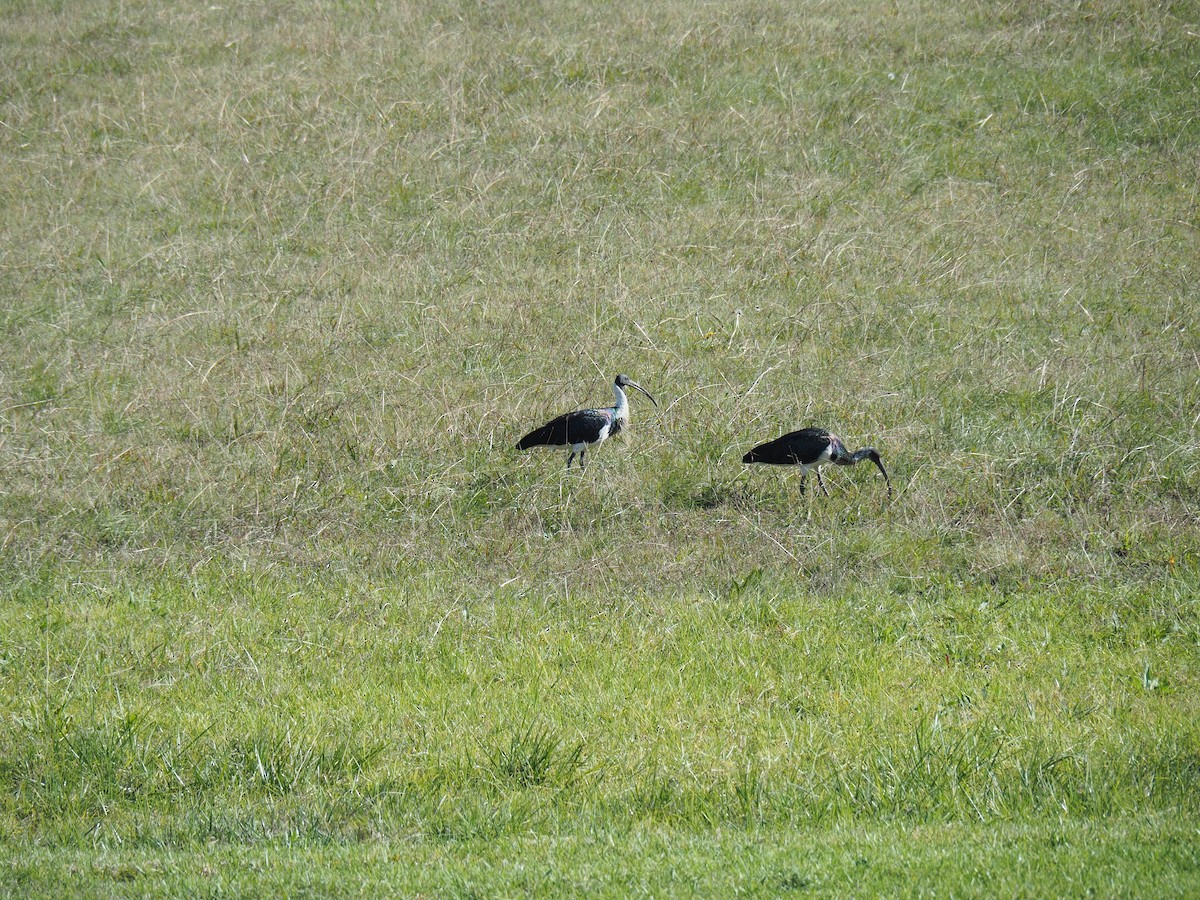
(820, 435)
(581, 426)
(795, 448)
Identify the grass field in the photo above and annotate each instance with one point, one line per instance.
(282, 609)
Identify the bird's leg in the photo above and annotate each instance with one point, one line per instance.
(583, 459)
(824, 490)
(803, 478)
(569, 458)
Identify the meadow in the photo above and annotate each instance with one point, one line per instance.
(282, 610)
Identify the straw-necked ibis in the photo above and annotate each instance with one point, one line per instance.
(811, 448)
(585, 428)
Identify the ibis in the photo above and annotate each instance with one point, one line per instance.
(811, 448)
(584, 429)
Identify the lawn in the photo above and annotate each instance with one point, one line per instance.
(282, 609)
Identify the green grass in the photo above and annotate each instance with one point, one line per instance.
(283, 610)
(1059, 858)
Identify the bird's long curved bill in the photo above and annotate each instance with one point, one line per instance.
(634, 384)
(883, 471)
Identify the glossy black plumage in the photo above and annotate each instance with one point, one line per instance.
(803, 448)
(811, 448)
(580, 427)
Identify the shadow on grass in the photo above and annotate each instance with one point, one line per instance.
(681, 493)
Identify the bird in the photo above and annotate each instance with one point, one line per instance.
(584, 429)
(811, 448)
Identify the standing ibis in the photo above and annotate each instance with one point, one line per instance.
(811, 448)
(585, 428)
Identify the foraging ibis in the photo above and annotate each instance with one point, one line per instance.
(811, 448)
(585, 428)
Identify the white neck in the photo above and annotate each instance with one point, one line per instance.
(622, 402)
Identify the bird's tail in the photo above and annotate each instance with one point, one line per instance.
(776, 452)
(535, 438)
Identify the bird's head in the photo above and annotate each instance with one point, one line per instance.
(624, 381)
